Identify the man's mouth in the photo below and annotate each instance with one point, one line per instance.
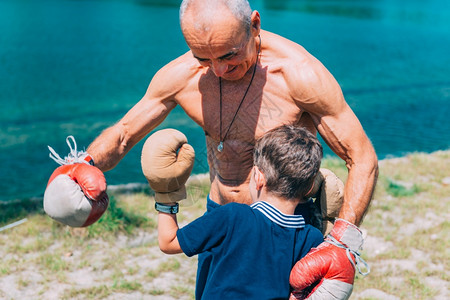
(232, 70)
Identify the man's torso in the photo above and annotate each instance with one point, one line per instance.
(267, 105)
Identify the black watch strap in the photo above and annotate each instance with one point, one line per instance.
(168, 209)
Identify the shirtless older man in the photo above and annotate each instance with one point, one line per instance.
(209, 83)
(237, 82)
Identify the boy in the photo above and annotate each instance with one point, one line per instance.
(253, 248)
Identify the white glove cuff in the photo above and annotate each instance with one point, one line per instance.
(348, 236)
(352, 236)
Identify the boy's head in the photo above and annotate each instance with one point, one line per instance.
(289, 158)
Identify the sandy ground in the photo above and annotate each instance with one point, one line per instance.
(131, 266)
(139, 256)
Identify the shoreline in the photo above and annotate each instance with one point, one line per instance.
(134, 187)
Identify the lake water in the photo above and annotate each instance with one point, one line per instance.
(75, 67)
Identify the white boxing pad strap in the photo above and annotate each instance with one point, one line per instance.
(73, 157)
(348, 236)
(167, 161)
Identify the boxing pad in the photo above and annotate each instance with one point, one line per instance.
(328, 271)
(167, 161)
(76, 191)
(328, 190)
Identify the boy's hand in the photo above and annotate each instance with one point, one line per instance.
(327, 272)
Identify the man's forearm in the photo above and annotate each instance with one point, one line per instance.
(108, 148)
(359, 189)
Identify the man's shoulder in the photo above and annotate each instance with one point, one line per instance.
(292, 61)
(175, 76)
(284, 50)
(307, 79)
(184, 66)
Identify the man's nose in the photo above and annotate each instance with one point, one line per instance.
(219, 68)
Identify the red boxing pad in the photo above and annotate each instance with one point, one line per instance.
(325, 269)
(328, 271)
(76, 195)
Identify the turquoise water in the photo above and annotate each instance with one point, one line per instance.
(75, 67)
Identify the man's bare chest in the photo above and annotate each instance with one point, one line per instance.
(235, 117)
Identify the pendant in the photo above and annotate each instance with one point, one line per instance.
(220, 147)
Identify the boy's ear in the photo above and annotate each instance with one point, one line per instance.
(311, 189)
(260, 179)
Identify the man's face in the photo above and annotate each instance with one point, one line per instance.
(226, 48)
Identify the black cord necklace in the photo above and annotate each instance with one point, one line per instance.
(220, 146)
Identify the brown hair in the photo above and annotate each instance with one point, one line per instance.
(289, 157)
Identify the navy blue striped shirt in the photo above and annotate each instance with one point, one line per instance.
(253, 249)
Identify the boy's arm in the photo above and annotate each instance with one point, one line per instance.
(167, 233)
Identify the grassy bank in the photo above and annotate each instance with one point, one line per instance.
(407, 243)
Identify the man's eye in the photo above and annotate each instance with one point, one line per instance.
(229, 57)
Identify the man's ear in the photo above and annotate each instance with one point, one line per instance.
(256, 23)
(260, 179)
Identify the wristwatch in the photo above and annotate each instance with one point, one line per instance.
(169, 209)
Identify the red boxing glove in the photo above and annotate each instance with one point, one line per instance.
(76, 191)
(328, 271)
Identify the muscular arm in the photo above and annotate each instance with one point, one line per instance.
(115, 142)
(318, 93)
(345, 136)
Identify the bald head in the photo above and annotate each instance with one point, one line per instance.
(201, 13)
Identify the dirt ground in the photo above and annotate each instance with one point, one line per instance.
(406, 246)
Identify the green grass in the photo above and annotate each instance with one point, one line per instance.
(399, 190)
(171, 265)
(125, 286)
(97, 292)
(117, 219)
(19, 209)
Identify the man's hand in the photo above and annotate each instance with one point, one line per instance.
(327, 272)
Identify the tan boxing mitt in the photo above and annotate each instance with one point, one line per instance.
(329, 192)
(167, 161)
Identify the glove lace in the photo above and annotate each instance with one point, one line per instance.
(73, 157)
(358, 259)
